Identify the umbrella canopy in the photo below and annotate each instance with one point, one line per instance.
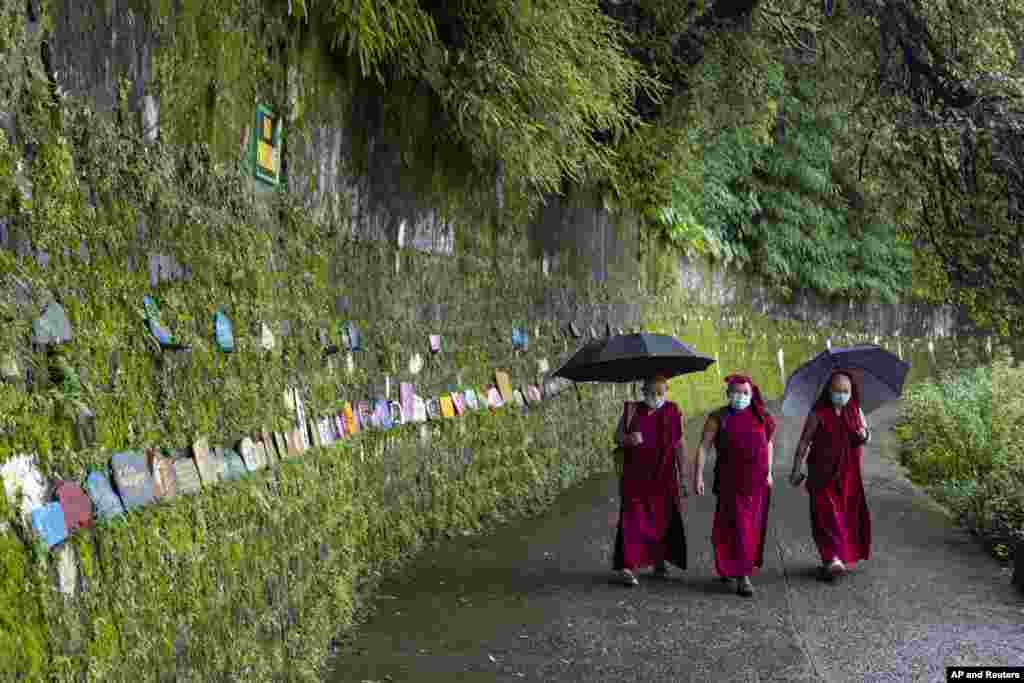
(878, 374)
(632, 358)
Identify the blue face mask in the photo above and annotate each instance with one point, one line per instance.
(840, 398)
(739, 401)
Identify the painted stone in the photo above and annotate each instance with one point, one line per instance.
(520, 338)
(208, 470)
(21, 474)
(269, 447)
(533, 394)
(415, 364)
(352, 338)
(543, 367)
(494, 399)
(132, 478)
(459, 402)
(156, 326)
(77, 506)
(67, 570)
(351, 420)
(435, 343)
(223, 332)
(104, 500)
(338, 419)
(326, 433)
(48, 522)
(234, 466)
(365, 414)
(300, 421)
(251, 456)
(419, 409)
(447, 407)
(397, 416)
(407, 392)
(433, 409)
(504, 385)
(52, 327)
(471, 400)
(267, 341)
(382, 414)
(165, 483)
(186, 475)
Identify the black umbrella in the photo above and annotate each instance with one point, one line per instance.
(632, 358)
(879, 376)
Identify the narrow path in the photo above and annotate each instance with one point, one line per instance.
(532, 602)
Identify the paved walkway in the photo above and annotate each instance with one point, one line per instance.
(532, 602)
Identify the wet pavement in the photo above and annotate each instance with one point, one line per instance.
(533, 601)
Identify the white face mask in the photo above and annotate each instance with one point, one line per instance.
(653, 402)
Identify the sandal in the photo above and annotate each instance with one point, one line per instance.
(627, 578)
(745, 588)
(836, 568)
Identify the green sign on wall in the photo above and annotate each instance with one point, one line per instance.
(265, 146)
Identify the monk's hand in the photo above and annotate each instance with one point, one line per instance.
(769, 479)
(796, 477)
(698, 485)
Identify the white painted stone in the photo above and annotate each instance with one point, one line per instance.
(150, 119)
(21, 475)
(542, 366)
(350, 363)
(67, 570)
(267, 341)
(415, 364)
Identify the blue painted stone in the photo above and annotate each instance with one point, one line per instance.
(106, 502)
(520, 339)
(353, 337)
(223, 332)
(48, 521)
(133, 479)
(53, 327)
(235, 465)
(382, 413)
(471, 400)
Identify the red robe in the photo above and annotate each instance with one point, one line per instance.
(741, 485)
(840, 522)
(650, 524)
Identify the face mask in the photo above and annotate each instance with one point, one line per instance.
(840, 398)
(653, 402)
(739, 401)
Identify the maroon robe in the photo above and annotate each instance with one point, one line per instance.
(741, 484)
(840, 522)
(650, 524)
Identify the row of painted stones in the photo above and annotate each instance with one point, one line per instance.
(140, 478)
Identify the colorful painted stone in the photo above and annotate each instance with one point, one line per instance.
(234, 465)
(77, 506)
(351, 335)
(433, 409)
(397, 415)
(459, 402)
(251, 456)
(223, 332)
(435, 343)
(494, 399)
(156, 327)
(351, 421)
(186, 475)
(504, 385)
(48, 522)
(52, 327)
(471, 400)
(419, 409)
(326, 433)
(407, 394)
(161, 467)
(339, 424)
(132, 478)
(382, 414)
(21, 474)
(447, 407)
(365, 414)
(533, 394)
(104, 500)
(520, 338)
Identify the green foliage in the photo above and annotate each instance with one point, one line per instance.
(961, 437)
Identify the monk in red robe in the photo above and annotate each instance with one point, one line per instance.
(650, 523)
(741, 434)
(832, 443)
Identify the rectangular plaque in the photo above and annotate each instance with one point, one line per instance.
(186, 475)
(298, 442)
(447, 407)
(435, 343)
(77, 506)
(365, 414)
(494, 399)
(533, 394)
(165, 483)
(48, 522)
(520, 338)
(132, 478)
(471, 400)
(504, 385)
(234, 466)
(101, 492)
(459, 402)
(382, 414)
(419, 409)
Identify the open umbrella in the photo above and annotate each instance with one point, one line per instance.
(632, 358)
(879, 376)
